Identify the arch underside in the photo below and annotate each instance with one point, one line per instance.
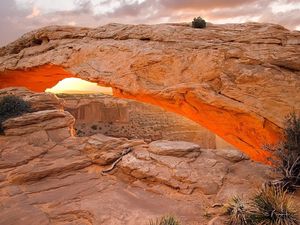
(245, 131)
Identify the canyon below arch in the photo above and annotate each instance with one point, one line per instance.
(238, 80)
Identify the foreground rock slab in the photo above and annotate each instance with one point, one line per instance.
(47, 180)
(60, 183)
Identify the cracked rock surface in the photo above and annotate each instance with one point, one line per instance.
(46, 180)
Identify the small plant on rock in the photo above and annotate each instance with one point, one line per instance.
(286, 155)
(271, 206)
(12, 106)
(198, 22)
(237, 211)
(166, 220)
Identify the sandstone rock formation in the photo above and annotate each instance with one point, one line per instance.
(45, 180)
(237, 80)
(37, 101)
(103, 150)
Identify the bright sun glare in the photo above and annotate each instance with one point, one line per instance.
(78, 86)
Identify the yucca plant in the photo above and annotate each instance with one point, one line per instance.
(272, 206)
(165, 220)
(237, 211)
(286, 155)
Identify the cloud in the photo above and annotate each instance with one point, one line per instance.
(10, 22)
(290, 19)
(203, 4)
(35, 12)
(17, 18)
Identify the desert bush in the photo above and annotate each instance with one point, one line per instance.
(237, 211)
(272, 206)
(269, 206)
(286, 155)
(198, 22)
(166, 220)
(12, 106)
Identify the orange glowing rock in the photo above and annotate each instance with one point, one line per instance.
(36, 79)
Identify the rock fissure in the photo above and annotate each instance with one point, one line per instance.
(227, 96)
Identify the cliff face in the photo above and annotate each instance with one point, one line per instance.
(131, 119)
(237, 80)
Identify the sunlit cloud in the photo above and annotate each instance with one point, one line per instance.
(284, 6)
(35, 12)
(47, 5)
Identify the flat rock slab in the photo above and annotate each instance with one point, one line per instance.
(174, 148)
(231, 154)
(40, 120)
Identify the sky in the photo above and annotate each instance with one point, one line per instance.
(20, 16)
(77, 85)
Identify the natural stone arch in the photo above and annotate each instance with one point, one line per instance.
(230, 79)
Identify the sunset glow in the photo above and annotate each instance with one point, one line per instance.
(78, 86)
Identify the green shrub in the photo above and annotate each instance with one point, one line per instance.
(166, 220)
(286, 155)
(237, 211)
(269, 206)
(198, 23)
(12, 106)
(272, 206)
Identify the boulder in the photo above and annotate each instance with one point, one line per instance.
(58, 124)
(174, 148)
(232, 155)
(37, 101)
